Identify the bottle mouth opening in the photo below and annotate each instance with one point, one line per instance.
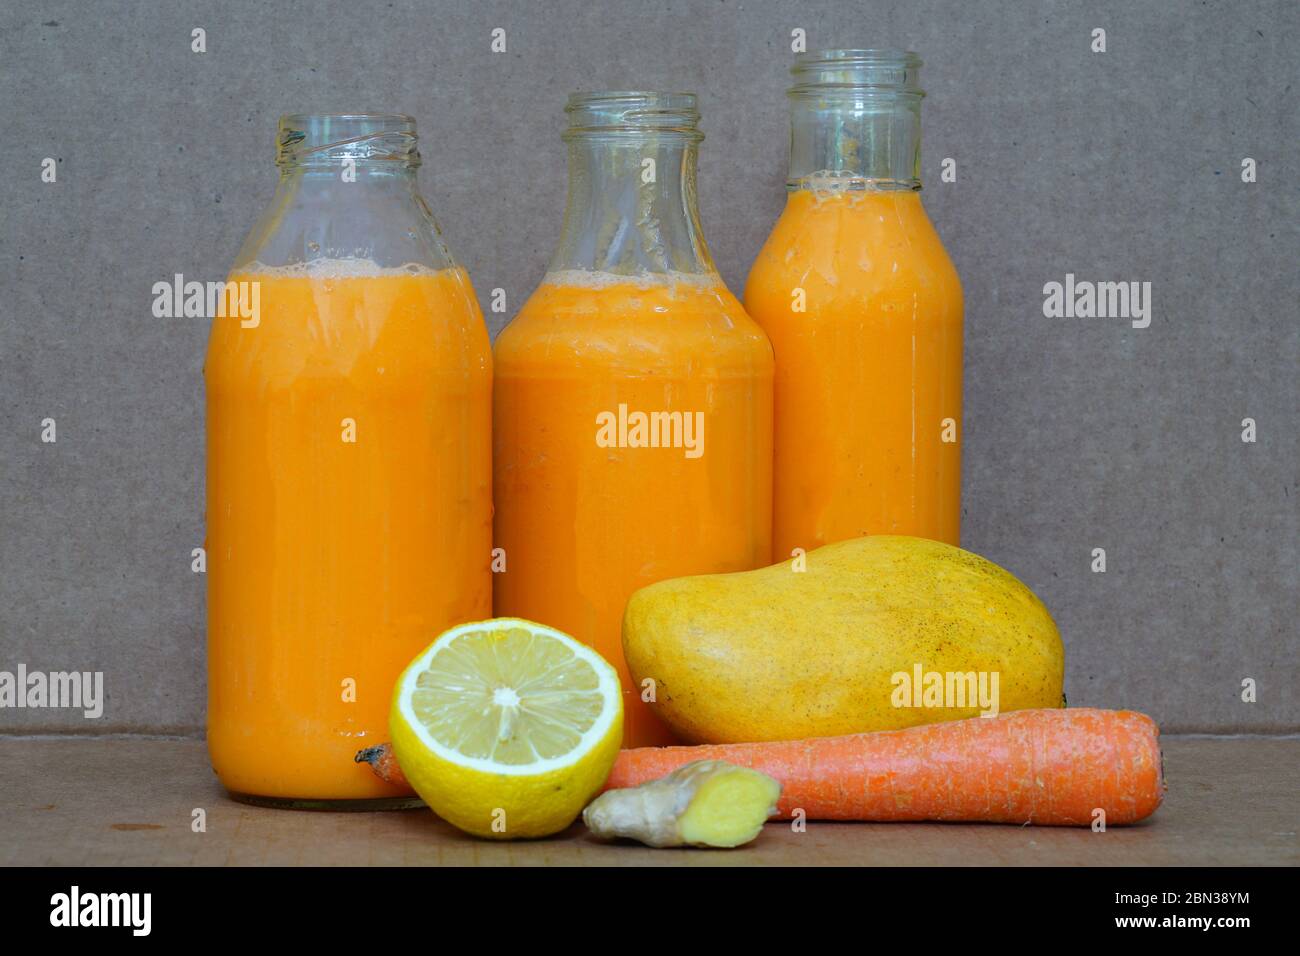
(860, 72)
(633, 112)
(331, 138)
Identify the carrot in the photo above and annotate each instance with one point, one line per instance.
(1049, 767)
(384, 763)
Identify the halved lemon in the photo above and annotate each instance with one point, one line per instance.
(507, 728)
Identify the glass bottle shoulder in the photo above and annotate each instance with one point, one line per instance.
(846, 243)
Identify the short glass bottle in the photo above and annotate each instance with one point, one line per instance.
(348, 466)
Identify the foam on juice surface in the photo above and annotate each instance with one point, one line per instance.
(594, 279)
(337, 269)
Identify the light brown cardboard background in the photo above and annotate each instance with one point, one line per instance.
(1077, 433)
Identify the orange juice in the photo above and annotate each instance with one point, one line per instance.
(349, 513)
(632, 443)
(868, 374)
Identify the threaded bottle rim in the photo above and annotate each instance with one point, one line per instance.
(633, 113)
(307, 139)
(860, 72)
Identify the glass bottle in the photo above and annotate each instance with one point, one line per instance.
(864, 311)
(633, 395)
(348, 465)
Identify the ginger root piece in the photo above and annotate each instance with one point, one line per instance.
(703, 803)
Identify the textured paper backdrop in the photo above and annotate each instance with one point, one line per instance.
(1079, 433)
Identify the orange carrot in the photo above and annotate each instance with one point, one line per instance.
(1049, 767)
(384, 763)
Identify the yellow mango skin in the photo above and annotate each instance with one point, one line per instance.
(777, 654)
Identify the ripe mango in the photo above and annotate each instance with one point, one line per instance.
(783, 653)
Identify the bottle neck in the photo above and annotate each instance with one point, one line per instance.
(855, 121)
(347, 191)
(347, 159)
(631, 206)
(369, 177)
(860, 145)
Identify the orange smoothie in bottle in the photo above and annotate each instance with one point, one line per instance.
(348, 483)
(632, 398)
(864, 311)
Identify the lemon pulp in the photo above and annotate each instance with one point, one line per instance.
(509, 696)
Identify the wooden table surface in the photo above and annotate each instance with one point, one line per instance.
(130, 801)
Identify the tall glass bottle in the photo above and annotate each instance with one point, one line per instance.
(348, 468)
(864, 311)
(633, 395)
